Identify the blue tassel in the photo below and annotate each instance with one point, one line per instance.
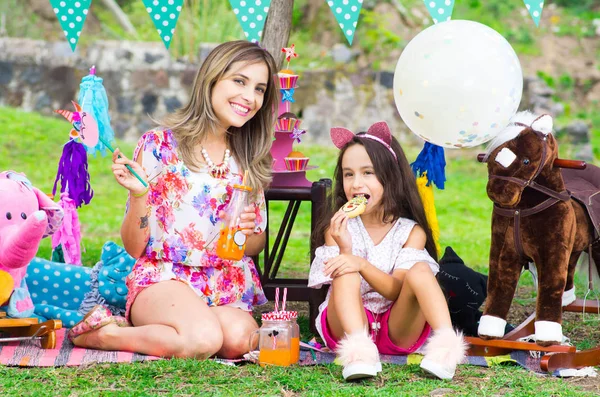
(431, 160)
(93, 99)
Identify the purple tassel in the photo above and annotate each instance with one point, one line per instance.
(73, 174)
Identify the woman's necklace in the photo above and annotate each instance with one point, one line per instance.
(217, 171)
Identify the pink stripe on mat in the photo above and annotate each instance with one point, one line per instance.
(30, 354)
(49, 358)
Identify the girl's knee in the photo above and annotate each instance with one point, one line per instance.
(418, 272)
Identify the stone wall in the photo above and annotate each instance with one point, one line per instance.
(143, 80)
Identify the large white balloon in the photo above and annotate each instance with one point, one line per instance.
(457, 84)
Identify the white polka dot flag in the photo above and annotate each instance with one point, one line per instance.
(252, 15)
(346, 12)
(535, 9)
(440, 10)
(164, 14)
(71, 15)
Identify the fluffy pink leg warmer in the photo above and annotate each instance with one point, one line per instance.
(359, 356)
(444, 350)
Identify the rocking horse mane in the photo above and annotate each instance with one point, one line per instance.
(511, 131)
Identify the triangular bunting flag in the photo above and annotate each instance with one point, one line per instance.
(71, 15)
(535, 9)
(440, 10)
(252, 15)
(164, 14)
(346, 12)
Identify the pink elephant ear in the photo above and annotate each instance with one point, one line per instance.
(340, 136)
(54, 212)
(381, 131)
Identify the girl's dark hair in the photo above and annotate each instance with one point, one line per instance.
(400, 195)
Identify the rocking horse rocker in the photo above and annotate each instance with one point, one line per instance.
(543, 217)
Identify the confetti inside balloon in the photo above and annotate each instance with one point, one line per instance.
(457, 84)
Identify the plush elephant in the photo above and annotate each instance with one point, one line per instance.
(26, 216)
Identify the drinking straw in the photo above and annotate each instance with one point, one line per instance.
(284, 299)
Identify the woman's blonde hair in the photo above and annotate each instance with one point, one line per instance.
(251, 143)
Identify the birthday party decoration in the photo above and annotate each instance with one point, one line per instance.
(290, 52)
(73, 166)
(346, 13)
(84, 125)
(164, 14)
(71, 15)
(296, 134)
(457, 83)
(251, 15)
(535, 8)
(93, 99)
(440, 10)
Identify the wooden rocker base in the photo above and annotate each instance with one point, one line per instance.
(554, 357)
(28, 329)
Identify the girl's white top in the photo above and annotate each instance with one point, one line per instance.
(387, 256)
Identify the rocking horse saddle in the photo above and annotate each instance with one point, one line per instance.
(584, 186)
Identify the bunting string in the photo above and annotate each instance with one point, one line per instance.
(251, 15)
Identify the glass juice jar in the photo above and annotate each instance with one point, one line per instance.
(295, 338)
(232, 241)
(274, 340)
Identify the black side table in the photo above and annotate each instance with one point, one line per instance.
(273, 254)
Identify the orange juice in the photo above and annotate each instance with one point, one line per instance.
(231, 244)
(295, 350)
(281, 357)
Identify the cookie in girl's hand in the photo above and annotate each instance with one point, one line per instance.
(355, 206)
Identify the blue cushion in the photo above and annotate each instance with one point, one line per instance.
(57, 284)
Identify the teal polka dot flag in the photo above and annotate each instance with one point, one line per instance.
(71, 16)
(535, 9)
(251, 14)
(346, 13)
(164, 14)
(440, 10)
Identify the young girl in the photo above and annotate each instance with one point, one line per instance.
(183, 300)
(384, 297)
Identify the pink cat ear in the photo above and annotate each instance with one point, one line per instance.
(340, 136)
(381, 131)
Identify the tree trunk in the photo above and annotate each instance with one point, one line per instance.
(310, 10)
(277, 28)
(120, 16)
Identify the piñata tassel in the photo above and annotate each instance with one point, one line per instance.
(431, 161)
(73, 174)
(93, 99)
(426, 193)
(68, 236)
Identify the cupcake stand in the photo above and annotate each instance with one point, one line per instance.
(292, 187)
(282, 146)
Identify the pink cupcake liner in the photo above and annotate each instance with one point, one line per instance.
(296, 163)
(287, 125)
(287, 82)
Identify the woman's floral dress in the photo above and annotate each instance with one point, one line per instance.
(184, 227)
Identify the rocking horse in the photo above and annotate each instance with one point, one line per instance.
(544, 218)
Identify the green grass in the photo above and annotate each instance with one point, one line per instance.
(32, 144)
(190, 377)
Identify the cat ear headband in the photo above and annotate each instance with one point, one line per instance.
(379, 132)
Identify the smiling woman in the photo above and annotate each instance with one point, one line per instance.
(183, 300)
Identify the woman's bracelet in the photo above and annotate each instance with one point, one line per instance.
(142, 194)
